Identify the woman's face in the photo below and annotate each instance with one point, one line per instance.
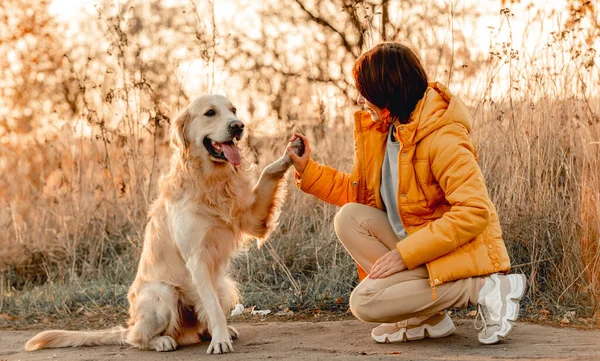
(370, 107)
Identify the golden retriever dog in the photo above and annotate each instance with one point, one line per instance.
(206, 210)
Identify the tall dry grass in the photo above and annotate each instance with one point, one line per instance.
(540, 152)
(74, 206)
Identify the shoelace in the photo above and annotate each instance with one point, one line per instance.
(480, 321)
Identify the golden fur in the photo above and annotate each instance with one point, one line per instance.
(206, 209)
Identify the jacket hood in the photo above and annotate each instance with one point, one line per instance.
(439, 107)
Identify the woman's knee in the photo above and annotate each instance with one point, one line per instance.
(346, 217)
(362, 306)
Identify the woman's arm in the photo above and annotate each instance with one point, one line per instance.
(326, 183)
(454, 166)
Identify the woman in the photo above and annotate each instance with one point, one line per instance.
(416, 215)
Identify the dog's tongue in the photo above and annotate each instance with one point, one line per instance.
(232, 153)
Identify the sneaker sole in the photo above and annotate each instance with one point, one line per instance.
(443, 329)
(512, 310)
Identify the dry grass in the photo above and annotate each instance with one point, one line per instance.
(73, 208)
(542, 172)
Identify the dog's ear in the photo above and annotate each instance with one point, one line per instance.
(178, 138)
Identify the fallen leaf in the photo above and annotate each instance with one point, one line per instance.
(6, 316)
(259, 312)
(237, 310)
(285, 312)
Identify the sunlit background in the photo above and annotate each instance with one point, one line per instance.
(88, 89)
(248, 50)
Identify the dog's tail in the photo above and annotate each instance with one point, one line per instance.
(59, 338)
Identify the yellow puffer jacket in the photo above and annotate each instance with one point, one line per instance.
(443, 201)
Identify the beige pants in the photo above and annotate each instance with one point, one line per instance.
(367, 235)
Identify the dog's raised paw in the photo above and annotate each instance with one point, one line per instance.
(285, 162)
(298, 146)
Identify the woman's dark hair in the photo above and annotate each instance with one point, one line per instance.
(391, 77)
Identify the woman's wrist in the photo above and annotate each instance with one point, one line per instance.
(301, 168)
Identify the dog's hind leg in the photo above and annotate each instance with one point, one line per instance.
(155, 318)
(229, 296)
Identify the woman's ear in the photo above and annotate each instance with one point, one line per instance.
(178, 138)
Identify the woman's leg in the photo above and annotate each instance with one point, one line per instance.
(365, 232)
(367, 235)
(408, 294)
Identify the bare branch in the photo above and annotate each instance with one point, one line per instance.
(385, 19)
(321, 21)
(350, 9)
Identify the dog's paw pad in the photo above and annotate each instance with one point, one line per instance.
(298, 146)
(163, 343)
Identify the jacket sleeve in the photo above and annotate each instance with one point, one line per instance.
(454, 165)
(327, 184)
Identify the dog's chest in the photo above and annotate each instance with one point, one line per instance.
(226, 203)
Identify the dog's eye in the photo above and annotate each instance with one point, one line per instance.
(234, 111)
(210, 113)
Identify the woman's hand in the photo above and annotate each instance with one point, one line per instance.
(387, 265)
(299, 162)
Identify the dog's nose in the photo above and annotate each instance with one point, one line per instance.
(236, 127)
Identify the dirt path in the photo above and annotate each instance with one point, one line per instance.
(340, 340)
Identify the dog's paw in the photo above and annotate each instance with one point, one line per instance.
(285, 162)
(233, 333)
(219, 346)
(298, 146)
(163, 343)
(221, 341)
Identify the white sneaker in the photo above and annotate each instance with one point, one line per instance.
(498, 306)
(416, 328)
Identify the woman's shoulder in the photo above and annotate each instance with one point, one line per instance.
(448, 141)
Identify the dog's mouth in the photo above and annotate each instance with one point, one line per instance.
(225, 151)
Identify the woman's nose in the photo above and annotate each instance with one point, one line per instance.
(361, 99)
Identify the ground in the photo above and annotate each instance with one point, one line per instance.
(341, 340)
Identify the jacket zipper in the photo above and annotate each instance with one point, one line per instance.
(431, 283)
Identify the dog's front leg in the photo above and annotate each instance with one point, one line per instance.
(205, 258)
(261, 217)
(202, 272)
